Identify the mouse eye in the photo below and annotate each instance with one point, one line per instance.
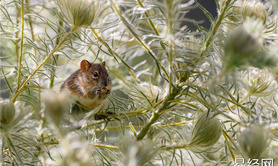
(95, 74)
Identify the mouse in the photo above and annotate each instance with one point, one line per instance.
(90, 85)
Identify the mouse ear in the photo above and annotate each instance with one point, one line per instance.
(84, 65)
(103, 63)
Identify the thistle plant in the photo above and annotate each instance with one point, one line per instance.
(253, 141)
(180, 96)
(206, 133)
(7, 112)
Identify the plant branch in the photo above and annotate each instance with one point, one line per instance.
(17, 33)
(35, 50)
(105, 146)
(44, 61)
(21, 45)
(215, 27)
(175, 147)
(157, 114)
(52, 77)
(227, 137)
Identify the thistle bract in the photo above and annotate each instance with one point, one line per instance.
(258, 82)
(79, 12)
(239, 48)
(7, 112)
(206, 133)
(253, 141)
(136, 153)
(255, 10)
(56, 105)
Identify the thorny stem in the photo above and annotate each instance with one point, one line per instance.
(146, 128)
(21, 45)
(44, 61)
(172, 94)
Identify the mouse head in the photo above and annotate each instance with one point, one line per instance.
(96, 77)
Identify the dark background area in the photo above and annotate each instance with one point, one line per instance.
(198, 15)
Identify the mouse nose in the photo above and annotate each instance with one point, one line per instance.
(105, 91)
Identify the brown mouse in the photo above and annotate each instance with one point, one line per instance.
(90, 85)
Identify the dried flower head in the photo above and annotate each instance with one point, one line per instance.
(253, 141)
(255, 10)
(136, 153)
(56, 105)
(244, 46)
(258, 82)
(206, 133)
(72, 152)
(80, 12)
(239, 48)
(144, 90)
(7, 112)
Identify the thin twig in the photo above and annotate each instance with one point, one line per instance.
(21, 45)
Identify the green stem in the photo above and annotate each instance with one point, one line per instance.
(52, 77)
(170, 24)
(157, 114)
(17, 33)
(228, 145)
(105, 146)
(227, 137)
(21, 45)
(176, 147)
(35, 50)
(170, 60)
(129, 28)
(44, 61)
(215, 27)
(152, 25)
(146, 128)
